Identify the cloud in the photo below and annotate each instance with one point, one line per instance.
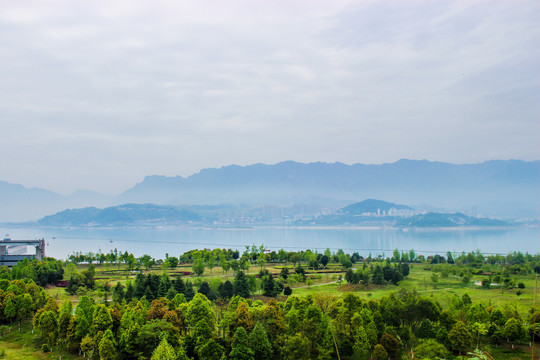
(99, 94)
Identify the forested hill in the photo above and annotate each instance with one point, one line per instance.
(501, 188)
(448, 220)
(127, 214)
(371, 206)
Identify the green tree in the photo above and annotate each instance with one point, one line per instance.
(226, 290)
(88, 346)
(164, 285)
(164, 351)
(259, 343)
(378, 276)
(48, 326)
(241, 286)
(361, 341)
(296, 347)
(198, 267)
(379, 352)
(200, 309)
(478, 313)
(107, 346)
(118, 293)
(513, 330)
(243, 317)
(240, 347)
(173, 262)
(460, 338)
(204, 289)
(151, 334)
(210, 350)
(10, 309)
(324, 260)
(225, 265)
(396, 255)
(64, 319)
(261, 260)
(101, 320)
(269, 285)
(391, 344)
(431, 349)
(210, 261)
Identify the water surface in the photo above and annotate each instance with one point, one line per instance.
(61, 242)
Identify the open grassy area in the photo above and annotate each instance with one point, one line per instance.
(327, 282)
(22, 345)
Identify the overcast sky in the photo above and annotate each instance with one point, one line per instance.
(98, 94)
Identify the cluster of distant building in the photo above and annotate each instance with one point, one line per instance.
(392, 212)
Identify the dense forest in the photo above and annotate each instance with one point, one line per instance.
(159, 317)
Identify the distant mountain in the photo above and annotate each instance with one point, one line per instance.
(448, 220)
(18, 203)
(502, 188)
(371, 206)
(122, 215)
(494, 188)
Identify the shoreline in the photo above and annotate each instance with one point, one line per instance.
(263, 226)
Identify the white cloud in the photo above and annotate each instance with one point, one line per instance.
(99, 94)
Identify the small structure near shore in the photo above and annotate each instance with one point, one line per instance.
(12, 251)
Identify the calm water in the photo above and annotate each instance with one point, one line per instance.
(176, 240)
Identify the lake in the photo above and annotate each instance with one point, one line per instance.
(62, 242)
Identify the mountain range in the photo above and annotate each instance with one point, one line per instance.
(500, 188)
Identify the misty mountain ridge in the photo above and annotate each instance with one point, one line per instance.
(498, 188)
(19, 203)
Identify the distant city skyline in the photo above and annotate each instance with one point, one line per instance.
(98, 95)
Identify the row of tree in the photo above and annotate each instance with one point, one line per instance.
(229, 259)
(48, 271)
(310, 327)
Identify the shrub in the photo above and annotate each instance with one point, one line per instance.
(431, 349)
(379, 352)
(287, 291)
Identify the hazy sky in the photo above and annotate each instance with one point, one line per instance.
(98, 94)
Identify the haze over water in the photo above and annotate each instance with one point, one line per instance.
(62, 242)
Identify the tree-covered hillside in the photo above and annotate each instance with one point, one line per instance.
(127, 214)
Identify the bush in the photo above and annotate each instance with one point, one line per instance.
(431, 349)
(45, 348)
(287, 291)
(521, 285)
(4, 329)
(379, 352)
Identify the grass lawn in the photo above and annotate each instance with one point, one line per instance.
(22, 345)
(325, 282)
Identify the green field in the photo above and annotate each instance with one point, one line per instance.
(322, 284)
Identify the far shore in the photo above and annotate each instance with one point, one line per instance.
(277, 226)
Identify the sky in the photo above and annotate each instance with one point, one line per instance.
(98, 94)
